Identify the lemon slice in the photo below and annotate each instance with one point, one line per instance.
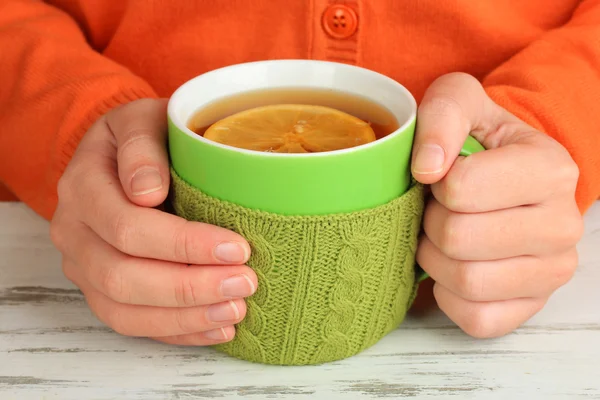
(291, 128)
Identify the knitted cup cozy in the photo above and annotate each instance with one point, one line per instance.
(329, 286)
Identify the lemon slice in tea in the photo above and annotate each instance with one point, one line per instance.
(291, 128)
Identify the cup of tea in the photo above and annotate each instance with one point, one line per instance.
(310, 162)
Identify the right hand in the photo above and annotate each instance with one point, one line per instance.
(145, 272)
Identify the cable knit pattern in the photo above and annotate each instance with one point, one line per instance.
(329, 286)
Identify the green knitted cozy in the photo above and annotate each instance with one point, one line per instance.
(329, 286)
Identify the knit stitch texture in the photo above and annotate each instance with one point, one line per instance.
(329, 286)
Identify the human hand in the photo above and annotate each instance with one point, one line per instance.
(501, 228)
(145, 272)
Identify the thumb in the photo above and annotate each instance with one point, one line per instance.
(140, 130)
(452, 107)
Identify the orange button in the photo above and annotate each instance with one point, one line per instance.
(340, 21)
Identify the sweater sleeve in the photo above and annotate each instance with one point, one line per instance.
(53, 86)
(554, 85)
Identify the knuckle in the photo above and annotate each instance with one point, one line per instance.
(456, 78)
(57, 234)
(454, 236)
(182, 321)
(71, 185)
(568, 171)
(185, 244)
(505, 131)
(440, 105)
(185, 293)
(455, 193)
(64, 188)
(87, 261)
(570, 231)
(117, 321)
(576, 229)
(564, 270)
(132, 106)
(122, 110)
(480, 323)
(111, 283)
(67, 270)
(132, 138)
(123, 228)
(470, 282)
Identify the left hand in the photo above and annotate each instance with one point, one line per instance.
(501, 228)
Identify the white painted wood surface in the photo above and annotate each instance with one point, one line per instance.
(51, 347)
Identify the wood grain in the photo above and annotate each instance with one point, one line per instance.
(51, 346)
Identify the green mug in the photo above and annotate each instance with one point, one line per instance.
(333, 234)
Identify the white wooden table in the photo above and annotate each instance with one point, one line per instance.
(51, 347)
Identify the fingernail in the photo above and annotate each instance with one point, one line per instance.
(237, 286)
(230, 252)
(146, 180)
(227, 311)
(216, 334)
(429, 159)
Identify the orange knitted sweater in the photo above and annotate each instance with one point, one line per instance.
(63, 63)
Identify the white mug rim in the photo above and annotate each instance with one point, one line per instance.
(177, 96)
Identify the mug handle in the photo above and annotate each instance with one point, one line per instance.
(470, 146)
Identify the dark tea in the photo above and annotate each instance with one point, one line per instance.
(288, 113)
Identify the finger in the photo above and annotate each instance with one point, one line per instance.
(502, 234)
(486, 319)
(145, 232)
(144, 321)
(91, 185)
(453, 106)
(140, 130)
(139, 281)
(529, 171)
(208, 338)
(505, 279)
